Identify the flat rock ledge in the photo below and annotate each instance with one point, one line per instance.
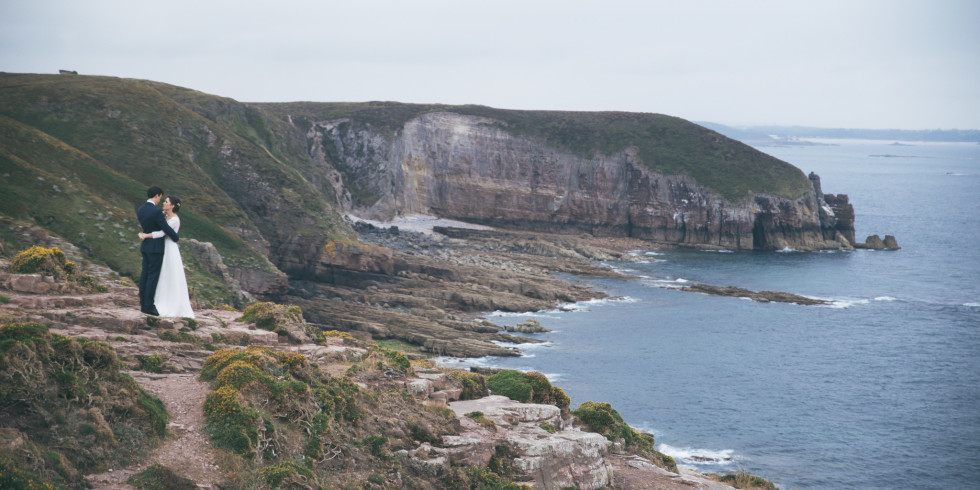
(761, 296)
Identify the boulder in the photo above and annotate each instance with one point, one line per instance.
(874, 242)
(566, 458)
(528, 326)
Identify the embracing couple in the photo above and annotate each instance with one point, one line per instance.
(163, 286)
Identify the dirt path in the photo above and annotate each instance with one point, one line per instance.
(186, 450)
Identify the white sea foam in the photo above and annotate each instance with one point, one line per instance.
(524, 347)
(419, 223)
(666, 282)
(843, 303)
(512, 314)
(787, 249)
(461, 362)
(645, 253)
(719, 251)
(698, 456)
(972, 305)
(884, 298)
(587, 305)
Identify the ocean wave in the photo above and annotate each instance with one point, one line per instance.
(972, 305)
(462, 362)
(666, 283)
(587, 305)
(524, 346)
(698, 456)
(843, 303)
(627, 272)
(514, 314)
(786, 250)
(719, 251)
(644, 253)
(885, 298)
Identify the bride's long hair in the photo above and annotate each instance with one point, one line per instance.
(175, 202)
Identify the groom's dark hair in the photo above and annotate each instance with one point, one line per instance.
(153, 191)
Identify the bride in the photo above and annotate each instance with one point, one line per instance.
(171, 299)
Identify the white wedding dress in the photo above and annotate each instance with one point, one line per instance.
(171, 298)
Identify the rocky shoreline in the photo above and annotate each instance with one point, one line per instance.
(563, 455)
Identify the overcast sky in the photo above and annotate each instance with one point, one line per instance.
(852, 63)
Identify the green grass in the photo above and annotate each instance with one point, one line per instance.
(403, 347)
(77, 154)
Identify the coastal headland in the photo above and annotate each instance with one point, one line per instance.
(270, 194)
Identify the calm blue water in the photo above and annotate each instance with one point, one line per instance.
(880, 391)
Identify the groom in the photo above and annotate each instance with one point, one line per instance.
(151, 219)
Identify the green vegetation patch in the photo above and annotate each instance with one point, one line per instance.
(271, 316)
(474, 385)
(744, 480)
(602, 418)
(289, 474)
(254, 386)
(531, 387)
(43, 375)
(159, 477)
(487, 479)
(482, 419)
(381, 358)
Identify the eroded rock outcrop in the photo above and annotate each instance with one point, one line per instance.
(469, 168)
(565, 458)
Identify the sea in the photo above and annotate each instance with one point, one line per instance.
(879, 389)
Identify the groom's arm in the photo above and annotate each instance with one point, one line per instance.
(162, 223)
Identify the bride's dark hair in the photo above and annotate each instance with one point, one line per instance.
(175, 202)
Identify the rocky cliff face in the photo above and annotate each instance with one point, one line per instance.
(471, 168)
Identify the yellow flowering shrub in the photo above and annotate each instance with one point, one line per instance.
(41, 260)
(222, 358)
(238, 374)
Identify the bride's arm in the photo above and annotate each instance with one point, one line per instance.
(159, 233)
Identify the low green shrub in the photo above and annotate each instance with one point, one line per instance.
(151, 364)
(159, 477)
(741, 479)
(602, 418)
(474, 385)
(510, 383)
(481, 419)
(486, 479)
(375, 444)
(268, 316)
(526, 387)
(279, 473)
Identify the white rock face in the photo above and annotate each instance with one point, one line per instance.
(567, 458)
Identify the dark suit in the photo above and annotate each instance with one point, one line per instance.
(152, 219)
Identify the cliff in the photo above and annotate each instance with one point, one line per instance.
(485, 166)
(266, 184)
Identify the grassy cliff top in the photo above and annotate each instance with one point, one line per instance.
(664, 144)
(77, 154)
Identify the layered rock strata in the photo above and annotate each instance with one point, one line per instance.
(470, 168)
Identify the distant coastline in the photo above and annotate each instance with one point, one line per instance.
(801, 135)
